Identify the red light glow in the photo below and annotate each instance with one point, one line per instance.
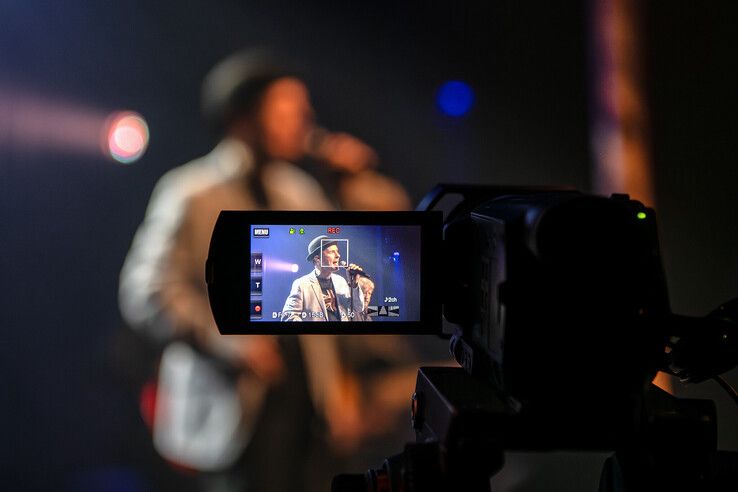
(127, 137)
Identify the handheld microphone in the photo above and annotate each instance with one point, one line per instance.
(354, 271)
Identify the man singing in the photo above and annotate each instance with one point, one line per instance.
(322, 295)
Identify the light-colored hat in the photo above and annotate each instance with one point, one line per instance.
(233, 87)
(315, 247)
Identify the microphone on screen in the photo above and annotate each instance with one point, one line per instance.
(354, 271)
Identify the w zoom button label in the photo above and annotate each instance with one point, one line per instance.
(256, 262)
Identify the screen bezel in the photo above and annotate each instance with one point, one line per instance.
(228, 270)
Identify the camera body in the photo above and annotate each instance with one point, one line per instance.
(537, 281)
(565, 300)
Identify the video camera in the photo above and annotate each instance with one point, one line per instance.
(561, 316)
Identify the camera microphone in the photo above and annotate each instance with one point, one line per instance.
(354, 271)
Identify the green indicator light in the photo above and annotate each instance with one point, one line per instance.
(641, 215)
(302, 230)
(292, 230)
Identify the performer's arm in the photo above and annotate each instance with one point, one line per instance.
(141, 279)
(292, 310)
(362, 288)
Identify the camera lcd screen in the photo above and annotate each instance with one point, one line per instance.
(351, 272)
(335, 272)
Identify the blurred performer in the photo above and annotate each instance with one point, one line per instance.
(322, 295)
(239, 409)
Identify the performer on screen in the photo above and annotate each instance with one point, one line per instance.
(323, 295)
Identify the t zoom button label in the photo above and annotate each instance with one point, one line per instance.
(256, 286)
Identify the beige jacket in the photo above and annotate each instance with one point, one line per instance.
(201, 420)
(305, 302)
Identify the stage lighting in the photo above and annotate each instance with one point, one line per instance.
(455, 98)
(127, 136)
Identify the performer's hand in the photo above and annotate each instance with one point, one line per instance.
(354, 277)
(261, 355)
(345, 152)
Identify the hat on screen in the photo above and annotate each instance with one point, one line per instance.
(315, 246)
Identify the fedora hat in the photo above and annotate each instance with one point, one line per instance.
(233, 87)
(314, 246)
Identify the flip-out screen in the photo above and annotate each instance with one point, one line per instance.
(340, 272)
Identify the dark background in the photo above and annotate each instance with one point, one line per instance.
(66, 221)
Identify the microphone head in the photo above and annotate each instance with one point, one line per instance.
(355, 272)
(343, 263)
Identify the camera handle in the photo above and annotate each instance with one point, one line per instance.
(457, 446)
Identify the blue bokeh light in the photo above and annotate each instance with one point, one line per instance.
(455, 98)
